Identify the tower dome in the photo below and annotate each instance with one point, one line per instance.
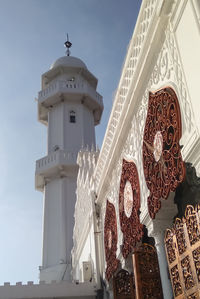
(69, 61)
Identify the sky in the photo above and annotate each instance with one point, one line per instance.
(32, 36)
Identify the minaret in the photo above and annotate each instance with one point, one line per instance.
(70, 107)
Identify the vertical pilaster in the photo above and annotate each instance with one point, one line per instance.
(164, 275)
(156, 229)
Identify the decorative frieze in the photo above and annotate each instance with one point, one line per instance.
(130, 66)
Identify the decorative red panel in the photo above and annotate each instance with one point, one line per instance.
(110, 240)
(162, 161)
(129, 205)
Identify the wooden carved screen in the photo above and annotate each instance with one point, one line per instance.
(129, 207)
(162, 161)
(123, 285)
(110, 240)
(182, 245)
(147, 273)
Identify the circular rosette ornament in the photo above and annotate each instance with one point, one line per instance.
(163, 166)
(110, 240)
(129, 205)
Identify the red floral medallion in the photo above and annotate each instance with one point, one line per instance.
(110, 240)
(162, 161)
(129, 205)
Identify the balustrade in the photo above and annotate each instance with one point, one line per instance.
(64, 86)
(58, 157)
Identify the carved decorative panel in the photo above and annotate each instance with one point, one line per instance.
(170, 246)
(182, 245)
(176, 283)
(187, 273)
(129, 205)
(162, 161)
(123, 285)
(110, 240)
(196, 255)
(193, 296)
(180, 236)
(192, 225)
(147, 273)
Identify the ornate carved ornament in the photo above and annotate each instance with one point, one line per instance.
(147, 272)
(182, 245)
(123, 285)
(110, 240)
(162, 161)
(129, 205)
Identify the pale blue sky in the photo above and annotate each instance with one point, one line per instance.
(32, 33)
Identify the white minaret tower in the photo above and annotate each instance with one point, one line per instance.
(70, 107)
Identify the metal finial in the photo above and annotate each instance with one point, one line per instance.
(68, 45)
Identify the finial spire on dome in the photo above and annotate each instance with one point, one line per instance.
(68, 45)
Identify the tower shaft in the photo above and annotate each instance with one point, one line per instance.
(70, 107)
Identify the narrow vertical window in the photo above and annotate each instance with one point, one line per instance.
(72, 116)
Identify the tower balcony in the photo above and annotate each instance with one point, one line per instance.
(57, 164)
(61, 90)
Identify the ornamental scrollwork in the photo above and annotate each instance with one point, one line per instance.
(193, 296)
(110, 240)
(196, 257)
(146, 269)
(179, 78)
(192, 225)
(187, 273)
(129, 205)
(180, 236)
(176, 281)
(170, 246)
(162, 69)
(123, 285)
(162, 161)
(182, 244)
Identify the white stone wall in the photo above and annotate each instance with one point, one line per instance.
(154, 61)
(84, 249)
(167, 55)
(63, 289)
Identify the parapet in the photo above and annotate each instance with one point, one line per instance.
(51, 290)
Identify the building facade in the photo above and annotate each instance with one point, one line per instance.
(150, 149)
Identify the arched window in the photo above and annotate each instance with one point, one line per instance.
(72, 116)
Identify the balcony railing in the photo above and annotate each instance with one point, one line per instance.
(69, 87)
(59, 157)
